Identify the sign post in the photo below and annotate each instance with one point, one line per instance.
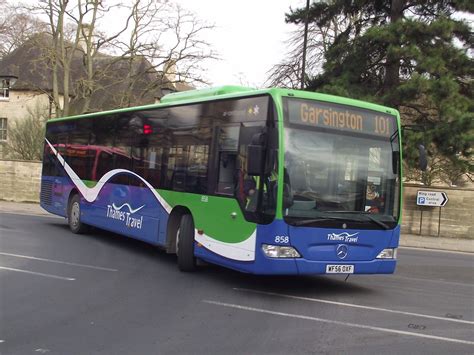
(431, 199)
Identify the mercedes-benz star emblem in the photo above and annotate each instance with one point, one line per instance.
(341, 251)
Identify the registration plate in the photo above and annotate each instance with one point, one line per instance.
(339, 269)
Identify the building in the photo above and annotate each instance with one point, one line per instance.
(26, 84)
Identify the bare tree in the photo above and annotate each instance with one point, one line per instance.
(62, 50)
(159, 42)
(16, 27)
(169, 39)
(288, 72)
(26, 136)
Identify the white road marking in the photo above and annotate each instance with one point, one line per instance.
(354, 305)
(58, 262)
(437, 250)
(4, 235)
(32, 214)
(37, 273)
(329, 321)
(437, 281)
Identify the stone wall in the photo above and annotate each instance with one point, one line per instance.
(20, 180)
(455, 221)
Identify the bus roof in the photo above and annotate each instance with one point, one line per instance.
(203, 93)
(229, 91)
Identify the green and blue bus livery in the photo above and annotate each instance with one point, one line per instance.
(270, 181)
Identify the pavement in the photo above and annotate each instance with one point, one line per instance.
(406, 240)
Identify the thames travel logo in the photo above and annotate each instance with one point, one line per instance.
(344, 237)
(127, 218)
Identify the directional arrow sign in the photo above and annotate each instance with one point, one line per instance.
(431, 198)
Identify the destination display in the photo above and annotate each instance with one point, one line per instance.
(340, 117)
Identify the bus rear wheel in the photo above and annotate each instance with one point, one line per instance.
(185, 244)
(74, 215)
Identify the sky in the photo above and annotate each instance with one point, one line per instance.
(249, 37)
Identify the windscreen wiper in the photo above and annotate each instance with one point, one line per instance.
(364, 214)
(376, 221)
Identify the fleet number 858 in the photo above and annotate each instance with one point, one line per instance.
(282, 239)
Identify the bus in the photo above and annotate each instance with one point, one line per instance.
(263, 181)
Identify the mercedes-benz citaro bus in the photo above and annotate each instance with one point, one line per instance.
(271, 181)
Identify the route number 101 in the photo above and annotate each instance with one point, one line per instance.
(382, 125)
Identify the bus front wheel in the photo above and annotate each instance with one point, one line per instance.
(185, 244)
(74, 215)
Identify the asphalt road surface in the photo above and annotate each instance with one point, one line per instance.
(104, 294)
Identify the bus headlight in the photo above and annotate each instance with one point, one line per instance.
(278, 251)
(390, 253)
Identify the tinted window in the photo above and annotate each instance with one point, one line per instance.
(50, 162)
(170, 147)
(235, 121)
(77, 154)
(102, 142)
(150, 145)
(188, 151)
(57, 134)
(49, 159)
(128, 125)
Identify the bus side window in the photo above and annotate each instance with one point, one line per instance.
(77, 153)
(125, 131)
(196, 178)
(51, 165)
(104, 164)
(102, 140)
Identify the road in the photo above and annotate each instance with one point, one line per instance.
(104, 294)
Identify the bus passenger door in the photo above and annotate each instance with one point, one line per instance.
(232, 178)
(227, 151)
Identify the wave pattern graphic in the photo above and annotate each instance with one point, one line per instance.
(243, 251)
(130, 209)
(344, 234)
(90, 193)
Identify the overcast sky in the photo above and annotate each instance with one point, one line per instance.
(249, 37)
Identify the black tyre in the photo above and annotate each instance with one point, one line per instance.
(74, 216)
(185, 244)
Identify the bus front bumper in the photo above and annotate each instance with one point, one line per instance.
(306, 267)
(263, 265)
